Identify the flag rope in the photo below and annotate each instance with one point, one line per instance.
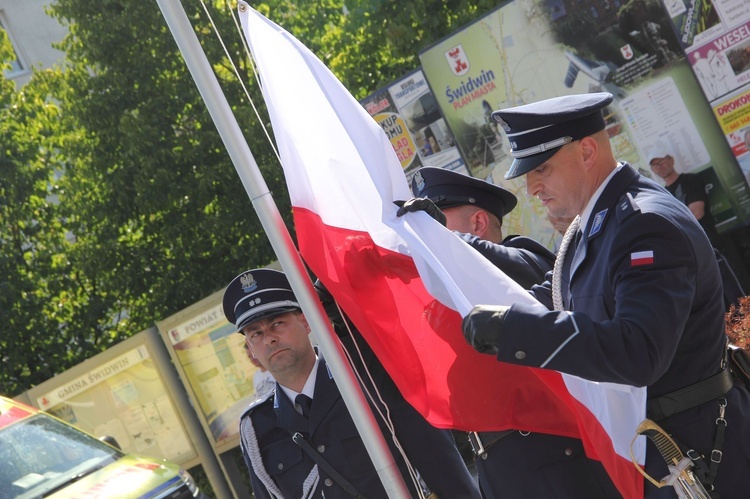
(249, 56)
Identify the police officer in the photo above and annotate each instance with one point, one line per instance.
(475, 209)
(327, 457)
(641, 287)
(511, 463)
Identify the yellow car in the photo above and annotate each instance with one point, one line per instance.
(42, 456)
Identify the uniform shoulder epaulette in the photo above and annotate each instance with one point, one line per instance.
(626, 207)
(268, 397)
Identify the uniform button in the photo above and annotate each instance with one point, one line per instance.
(321, 448)
(328, 482)
(568, 452)
(520, 355)
(484, 456)
(281, 466)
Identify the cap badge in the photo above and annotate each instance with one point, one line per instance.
(248, 282)
(419, 181)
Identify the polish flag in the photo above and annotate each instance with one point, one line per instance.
(640, 258)
(406, 282)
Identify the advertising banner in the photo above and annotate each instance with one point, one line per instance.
(121, 394)
(213, 365)
(522, 53)
(716, 38)
(410, 116)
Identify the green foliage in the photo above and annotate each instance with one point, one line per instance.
(120, 203)
(576, 30)
(37, 294)
(160, 217)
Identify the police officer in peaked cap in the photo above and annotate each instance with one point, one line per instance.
(474, 209)
(635, 298)
(298, 440)
(510, 463)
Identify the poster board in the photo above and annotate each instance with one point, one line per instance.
(409, 114)
(213, 365)
(122, 393)
(523, 52)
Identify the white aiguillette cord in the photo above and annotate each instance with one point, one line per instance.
(557, 303)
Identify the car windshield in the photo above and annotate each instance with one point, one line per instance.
(39, 455)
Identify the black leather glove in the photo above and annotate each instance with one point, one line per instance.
(483, 327)
(420, 204)
(331, 309)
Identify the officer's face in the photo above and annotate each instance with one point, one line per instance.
(281, 342)
(559, 182)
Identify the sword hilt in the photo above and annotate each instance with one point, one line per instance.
(680, 467)
(667, 447)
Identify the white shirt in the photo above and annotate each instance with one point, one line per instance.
(308, 389)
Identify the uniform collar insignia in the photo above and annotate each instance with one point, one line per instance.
(598, 222)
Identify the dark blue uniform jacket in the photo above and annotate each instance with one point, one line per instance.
(534, 465)
(646, 297)
(330, 430)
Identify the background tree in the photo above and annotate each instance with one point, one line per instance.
(154, 213)
(38, 294)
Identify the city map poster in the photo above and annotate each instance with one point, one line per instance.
(410, 116)
(213, 364)
(517, 54)
(120, 393)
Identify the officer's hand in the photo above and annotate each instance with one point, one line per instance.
(420, 204)
(331, 309)
(483, 327)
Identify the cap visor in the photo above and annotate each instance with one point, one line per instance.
(264, 315)
(522, 166)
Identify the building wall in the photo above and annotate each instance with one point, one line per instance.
(32, 33)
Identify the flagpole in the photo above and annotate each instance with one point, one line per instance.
(283, 246)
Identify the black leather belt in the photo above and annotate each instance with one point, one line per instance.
(691, 396)
(482, 440)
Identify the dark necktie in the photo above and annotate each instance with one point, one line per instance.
(305, 403)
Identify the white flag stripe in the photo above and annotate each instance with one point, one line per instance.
(619, 409)
(304, 101)
(316, 117)
(641, 254)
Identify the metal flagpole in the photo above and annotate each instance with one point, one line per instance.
(281, 241)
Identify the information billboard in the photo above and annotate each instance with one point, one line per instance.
(122, 393)
(410, 116)
(523, 52)
(213, 364)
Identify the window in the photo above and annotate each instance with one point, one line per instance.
(17, 66)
